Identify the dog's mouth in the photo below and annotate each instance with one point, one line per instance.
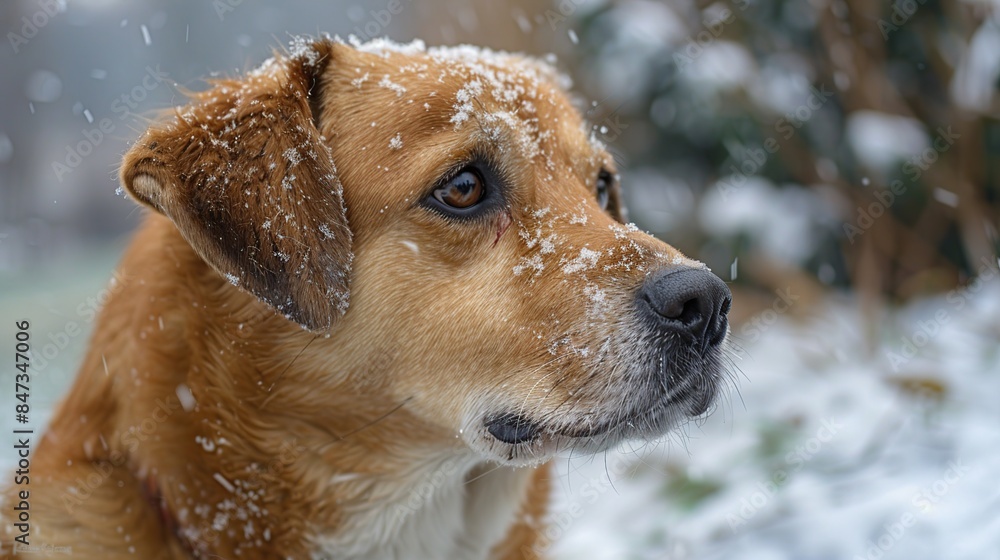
(646, 419)
(647, 423)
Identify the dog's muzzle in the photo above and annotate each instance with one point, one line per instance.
(671, 367)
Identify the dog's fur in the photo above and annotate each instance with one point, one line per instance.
(300, 354)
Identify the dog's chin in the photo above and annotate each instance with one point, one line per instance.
(515, 439)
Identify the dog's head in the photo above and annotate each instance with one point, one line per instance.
(462, 207)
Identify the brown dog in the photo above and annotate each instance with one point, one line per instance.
(382, 285)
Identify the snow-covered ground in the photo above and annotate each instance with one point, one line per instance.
(837, 446)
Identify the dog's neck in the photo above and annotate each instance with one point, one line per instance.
(442, 509)
(446, 505)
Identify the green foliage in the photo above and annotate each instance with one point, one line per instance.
(741, 73)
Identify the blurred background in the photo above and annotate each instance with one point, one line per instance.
(836, 161)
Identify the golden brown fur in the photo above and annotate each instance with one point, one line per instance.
(260, 438)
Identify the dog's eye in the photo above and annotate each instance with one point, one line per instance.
(462, 191)
(604, 181)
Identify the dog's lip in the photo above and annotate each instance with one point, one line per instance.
(515, 429)
(512, 429)
(693, 404)
(602, 428)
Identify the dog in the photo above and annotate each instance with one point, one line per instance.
(379, 287)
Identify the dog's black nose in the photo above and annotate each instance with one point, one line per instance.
(687, 301)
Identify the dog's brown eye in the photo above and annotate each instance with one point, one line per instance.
(604, 181)
(462, 191)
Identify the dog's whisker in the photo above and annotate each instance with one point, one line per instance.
(527, 396)
(481, 475)
(360, 429)
(265, 402)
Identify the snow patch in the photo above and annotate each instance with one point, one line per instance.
(293, 157)
(533, 263)
(880, 140)
(586, 260)
(185, 396)
(385, 82)
(326, 231)
(358, 82)
(396, 143)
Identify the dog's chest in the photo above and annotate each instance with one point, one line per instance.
(433, 514)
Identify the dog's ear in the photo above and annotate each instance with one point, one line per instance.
(245, 175)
